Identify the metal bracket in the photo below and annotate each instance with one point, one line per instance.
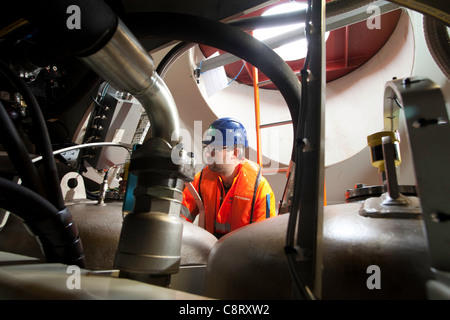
(428, 132)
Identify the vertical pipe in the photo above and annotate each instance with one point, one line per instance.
(346, 47)
(312, 156)
(257, 115)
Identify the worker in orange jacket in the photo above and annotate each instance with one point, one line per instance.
(231, 189)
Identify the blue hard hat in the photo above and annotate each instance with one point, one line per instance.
(225, 132)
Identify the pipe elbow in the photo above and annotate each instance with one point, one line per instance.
(162, 110)
(127, 66)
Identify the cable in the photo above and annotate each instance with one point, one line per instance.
(232, 40)
(90, 195)
(18, 153)
(43, 140)
(11, 192)
(173, 55)
(57, 233)
(103, 94)
(87, 145)
(245, 62)
(299, 144)
(50, 220)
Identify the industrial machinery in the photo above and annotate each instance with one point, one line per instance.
(83, 107)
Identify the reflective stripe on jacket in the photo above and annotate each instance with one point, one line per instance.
(249, 199)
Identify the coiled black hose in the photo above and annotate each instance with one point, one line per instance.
(42, 138)
(18, 153)
(57, 233)
(49, 220)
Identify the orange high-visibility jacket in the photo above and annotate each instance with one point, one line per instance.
(249, 199)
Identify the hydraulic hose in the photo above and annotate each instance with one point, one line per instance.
(60, 32)
(438, 9)
(437, 39)
(172, 56)
(189, 28)
(42, 140)
(333, 8)
(57, 233)
(54, 226)
(18, 153)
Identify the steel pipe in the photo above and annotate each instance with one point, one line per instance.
(128, 67)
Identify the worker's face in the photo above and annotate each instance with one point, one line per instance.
(221, 159)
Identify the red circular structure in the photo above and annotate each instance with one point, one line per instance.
(347, 49)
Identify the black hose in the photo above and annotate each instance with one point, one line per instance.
(437, 39)
(298, 158)
(333, 8)
(13, 193)
(221, 36)
(172, 56)
(245, 24)
(43, 140)
(57, 233)
(57, 21)
(438, 9)
(18, 153)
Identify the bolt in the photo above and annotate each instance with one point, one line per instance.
(72, 183)
(439, 217)
(408, 81)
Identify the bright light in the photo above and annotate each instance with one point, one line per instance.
(294, 50)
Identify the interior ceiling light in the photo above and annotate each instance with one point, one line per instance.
(294, 50)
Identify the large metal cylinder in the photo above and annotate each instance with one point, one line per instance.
(254, 258)
(353, 243)
(249, 263)
(152, 244)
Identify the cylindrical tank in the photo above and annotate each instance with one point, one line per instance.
(353, 243)
(99, 228)
(250, 263)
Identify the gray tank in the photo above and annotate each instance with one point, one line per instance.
(250, 263)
